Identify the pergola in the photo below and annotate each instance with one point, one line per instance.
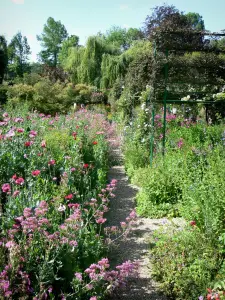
(169, 47)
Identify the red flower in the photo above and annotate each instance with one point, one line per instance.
(95, 143)
(74, 134)
(14, 177)
(36, 172)
(28, 144)
(20, 130)
(74, 205)
(85, 166)
(19, 181)
(70, 196)
(193, 223)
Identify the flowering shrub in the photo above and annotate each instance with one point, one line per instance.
(54, 198)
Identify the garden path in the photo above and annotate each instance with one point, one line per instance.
(136, 245)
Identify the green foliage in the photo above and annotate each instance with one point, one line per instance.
(161, 187)
(136, 156)
(50, 98)
(185, 262)
(54, 33)
(18, 54)
(187, 182)
(70, 42)
(121, 37)
(196, 21)
(31, 78)
(20, 93)
(204, 183)
(3, 94)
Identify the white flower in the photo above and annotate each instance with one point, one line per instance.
(143, 106)
(61, 208)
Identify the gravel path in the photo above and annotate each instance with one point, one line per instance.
(136, 246)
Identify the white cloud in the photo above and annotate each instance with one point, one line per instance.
(124, 7)
(18, 1)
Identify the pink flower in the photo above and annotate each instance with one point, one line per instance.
(43, 144)
(51, 162)
(89, 286)
(19, 181)
(32, 133)
(180, 143)
(36, 172)
(101, 220)
(133, 215)
(72, 169)
(6, 188)
(10, 244)
(123, 224)
(27, 212)
(18, 120)
(70, 196)
(16, 193)
(73, 243)
(78, 276)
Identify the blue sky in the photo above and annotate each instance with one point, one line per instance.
(87, 17)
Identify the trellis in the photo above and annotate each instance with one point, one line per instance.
(164, 48)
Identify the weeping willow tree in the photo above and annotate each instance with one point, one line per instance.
(72, 63)
(84, 63)
(112, 68)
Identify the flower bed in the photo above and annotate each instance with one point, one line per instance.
(54, 196)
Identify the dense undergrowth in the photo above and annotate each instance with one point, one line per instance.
(187, 182)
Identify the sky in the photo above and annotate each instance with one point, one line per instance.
(88, 17)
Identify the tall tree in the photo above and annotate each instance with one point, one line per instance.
(54, 33)
(67, 45)
(3, 57)
(196, 21)
(18, 54)
(171, 28)
(121, 37)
